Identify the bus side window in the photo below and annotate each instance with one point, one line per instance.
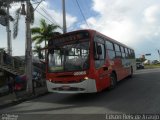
(132, 54)
(99, 54)
(118, 55)
(129, 53)
(123, 55)
(123, 52)
(109, 45)
(95, 51)
(110, 50)
(100, 51)
(126, 51)
(111, 54)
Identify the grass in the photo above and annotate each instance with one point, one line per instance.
(152, 66)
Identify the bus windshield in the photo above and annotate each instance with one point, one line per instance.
(72, 56)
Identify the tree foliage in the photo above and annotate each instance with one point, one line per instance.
(38, 52)
(3, 10)
(44, 32)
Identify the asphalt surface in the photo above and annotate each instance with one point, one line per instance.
(138, 95)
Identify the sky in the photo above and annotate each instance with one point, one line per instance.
(132, 22)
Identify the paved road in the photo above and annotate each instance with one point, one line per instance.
(140, 94)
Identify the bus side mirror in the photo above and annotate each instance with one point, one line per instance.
(99, 50)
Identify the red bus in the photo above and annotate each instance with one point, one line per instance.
(86, 61)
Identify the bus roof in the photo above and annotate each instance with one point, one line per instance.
(95, 32)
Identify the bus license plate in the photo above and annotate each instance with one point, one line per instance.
(65, 87)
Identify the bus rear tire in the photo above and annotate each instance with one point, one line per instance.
(113, 81)
(131, 75)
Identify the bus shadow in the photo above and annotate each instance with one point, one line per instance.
(120, 99)
(85, 98)
(128, 97)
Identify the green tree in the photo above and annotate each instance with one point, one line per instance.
(37, 51)
(44, 33)
(3, 8)
(3, 11)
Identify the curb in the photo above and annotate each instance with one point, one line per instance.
(20, 100)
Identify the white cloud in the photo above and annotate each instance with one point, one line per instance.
(132, 22)
(152, 14)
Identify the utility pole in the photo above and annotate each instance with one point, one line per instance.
(64, 17)
(28, 51)
(9, 44)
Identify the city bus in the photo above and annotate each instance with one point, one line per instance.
(86, 61)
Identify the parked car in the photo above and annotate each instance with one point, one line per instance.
(139, 65)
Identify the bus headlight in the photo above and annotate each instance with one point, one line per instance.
(86, 78)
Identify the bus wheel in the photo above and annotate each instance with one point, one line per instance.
(113, 81)
(131, 72)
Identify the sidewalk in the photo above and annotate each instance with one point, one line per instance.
(21, 96)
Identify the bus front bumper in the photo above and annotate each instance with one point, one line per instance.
(86, 86)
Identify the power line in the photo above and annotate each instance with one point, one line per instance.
(38, 4)
(87, 7)
(47, 18)
(82, 14)
(43, 15)
(45, 11)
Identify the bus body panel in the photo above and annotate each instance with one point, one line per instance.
(94, 79)
(86, 86)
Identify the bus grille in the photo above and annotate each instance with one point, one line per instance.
(68, 89)
(65, 82)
